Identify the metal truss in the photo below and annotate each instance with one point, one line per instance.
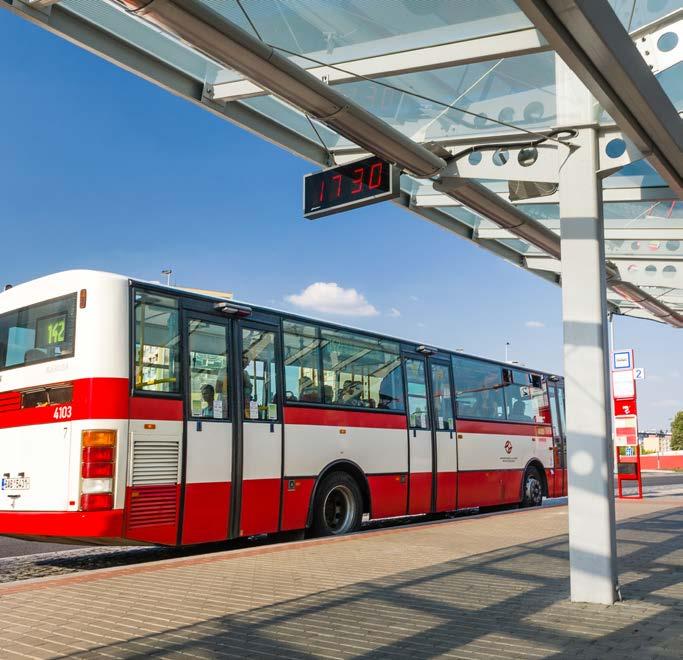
(588, 36)
(481, 49)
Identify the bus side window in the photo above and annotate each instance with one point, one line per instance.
(157, 343)
(478, 389)
(302, 362)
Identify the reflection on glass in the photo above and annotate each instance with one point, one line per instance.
(418, 407)
(442, 398)
(38, 333)
(157, 343)
(259, 375)
(209, 383)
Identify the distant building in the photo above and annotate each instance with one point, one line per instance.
(657, 441)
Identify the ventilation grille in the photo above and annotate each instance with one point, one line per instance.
(156, 460)
(153, 505)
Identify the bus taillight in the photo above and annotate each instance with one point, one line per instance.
(97, 470)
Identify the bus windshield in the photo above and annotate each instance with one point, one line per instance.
(38, 333)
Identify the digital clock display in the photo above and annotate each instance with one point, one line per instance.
(349, 186)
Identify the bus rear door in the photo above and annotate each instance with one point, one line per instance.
(259, 448)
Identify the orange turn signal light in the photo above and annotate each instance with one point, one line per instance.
(99, 438)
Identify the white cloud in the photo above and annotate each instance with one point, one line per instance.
(394, 312)
(535, 324)
(414, 298)
(330, 298)
(420, 324)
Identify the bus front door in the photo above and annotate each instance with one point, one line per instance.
(208, 473)
(433, 459)
(259, 437)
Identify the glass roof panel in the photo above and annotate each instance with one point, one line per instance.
(633, 14)
(162, 46)
(517, 91)
(341, 30)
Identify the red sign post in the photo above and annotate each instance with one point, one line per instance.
(626, 444)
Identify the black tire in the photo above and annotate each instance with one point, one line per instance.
(338, 505)
(532, 488)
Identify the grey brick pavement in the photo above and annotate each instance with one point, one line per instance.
(491, 587)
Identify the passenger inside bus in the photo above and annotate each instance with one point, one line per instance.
(208, 395)
(308, 390)
(351, 394)
(518, 412)
(247, 387)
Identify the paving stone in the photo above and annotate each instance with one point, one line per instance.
(486, 588)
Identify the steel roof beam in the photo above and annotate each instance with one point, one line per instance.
(228, 44)
(591, 40)
(85, 34)
(481, 49)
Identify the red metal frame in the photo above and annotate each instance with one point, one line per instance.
(635, 476)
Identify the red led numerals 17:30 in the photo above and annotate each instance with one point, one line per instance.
(358, 181)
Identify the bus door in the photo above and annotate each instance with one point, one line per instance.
(259, 436)
(209, 414)
(431, 435)
(559, 455)
(420, 438)
(443, 416)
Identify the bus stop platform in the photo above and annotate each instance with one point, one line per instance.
(493, 586)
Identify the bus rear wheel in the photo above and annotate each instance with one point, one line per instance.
(337, 508)
(532, 488)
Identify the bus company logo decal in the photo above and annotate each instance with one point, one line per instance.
(508, 447)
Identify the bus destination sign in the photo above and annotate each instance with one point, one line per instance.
(349, 186)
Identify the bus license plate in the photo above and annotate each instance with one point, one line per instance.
(16, 483)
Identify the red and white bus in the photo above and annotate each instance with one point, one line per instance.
(137, 413)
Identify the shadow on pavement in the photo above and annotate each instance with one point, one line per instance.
(510, 603)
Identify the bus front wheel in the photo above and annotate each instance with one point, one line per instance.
(338, 506)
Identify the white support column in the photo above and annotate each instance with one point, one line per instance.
(592, 537)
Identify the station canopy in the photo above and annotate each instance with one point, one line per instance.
(485, 84)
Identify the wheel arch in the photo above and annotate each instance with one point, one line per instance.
(535, 462)
(354, 471)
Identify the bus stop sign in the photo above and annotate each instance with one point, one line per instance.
(349, 186)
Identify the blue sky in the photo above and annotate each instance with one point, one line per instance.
(103, 170)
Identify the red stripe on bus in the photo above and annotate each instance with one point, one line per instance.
(446, 486)
(420, 492)
(206, 512)
(388, 495)
(143, 407)
(296, 499)
(93, 398)
(355, 418)
(260, 506)
(63, 524)
(499, 428)
(489, 487)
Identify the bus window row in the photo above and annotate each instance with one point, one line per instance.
(321, 366)
(491, 392)
(341, 368)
